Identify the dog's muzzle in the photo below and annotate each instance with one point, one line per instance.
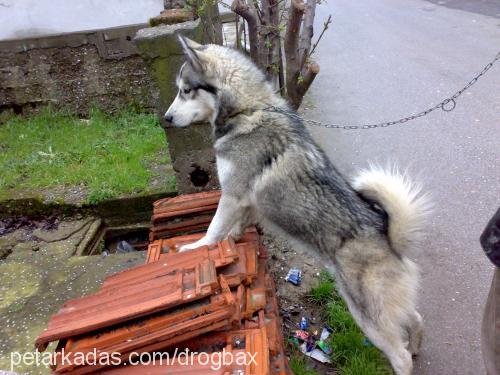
(168, 123)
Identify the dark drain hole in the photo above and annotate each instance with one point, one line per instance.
(108, 240)
(199, 177)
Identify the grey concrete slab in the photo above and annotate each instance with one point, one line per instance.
(385, 59)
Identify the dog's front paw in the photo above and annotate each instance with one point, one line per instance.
(236, 235)
(201, 242)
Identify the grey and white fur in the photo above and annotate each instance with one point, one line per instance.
(272, 173)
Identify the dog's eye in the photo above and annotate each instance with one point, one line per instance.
(187, 91)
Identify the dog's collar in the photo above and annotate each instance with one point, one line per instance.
(221, 120)
(223, 124)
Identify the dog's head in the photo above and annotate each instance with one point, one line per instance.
(213, 83)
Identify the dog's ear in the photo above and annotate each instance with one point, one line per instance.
(192, 51)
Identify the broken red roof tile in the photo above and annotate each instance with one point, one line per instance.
(250, 342)
(179, 227)
(153, 333)
(183, 214)
(264, 333)
(166, 329)
(239, 261)
(174, 300)
(118, 304)
(187, 201)
(244, 270)
(167, 250)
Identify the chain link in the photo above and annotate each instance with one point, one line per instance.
(446, 105)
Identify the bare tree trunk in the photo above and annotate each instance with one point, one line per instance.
(210, 19)
(241, 8)
(300, 69)
(295, 72)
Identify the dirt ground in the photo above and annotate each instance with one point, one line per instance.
(293, 299)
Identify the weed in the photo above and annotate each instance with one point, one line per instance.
(352, 353)
(299, 366)
(107, 155)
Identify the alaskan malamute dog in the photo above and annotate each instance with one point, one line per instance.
(273, 173)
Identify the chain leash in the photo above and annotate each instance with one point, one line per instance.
(447, 105)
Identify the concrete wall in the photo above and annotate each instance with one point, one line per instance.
(74, 72)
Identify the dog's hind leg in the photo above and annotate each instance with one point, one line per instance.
(380, 325)
(388, 339)
(392, 344)
(415, 332)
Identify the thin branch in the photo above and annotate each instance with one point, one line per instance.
(238, 36)
(245, 36)
(325, 27)
(227, 6)
(243, 10)
(296, 11)
(307, 31)
(255, 6)
(309, 73)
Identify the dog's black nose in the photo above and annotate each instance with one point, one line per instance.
(169, 118)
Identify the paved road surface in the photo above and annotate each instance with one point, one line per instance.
(382, 60)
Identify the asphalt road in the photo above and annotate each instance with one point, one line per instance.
(385, 59)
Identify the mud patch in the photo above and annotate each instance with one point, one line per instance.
(11, 224)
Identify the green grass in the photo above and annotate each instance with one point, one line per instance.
(106, 155)
(298, 365)
(351, 354)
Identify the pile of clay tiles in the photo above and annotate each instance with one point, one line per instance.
(216, 299)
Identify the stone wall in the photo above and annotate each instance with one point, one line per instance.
(74, 72)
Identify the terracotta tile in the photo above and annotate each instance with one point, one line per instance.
(222, 253)
(120, 303)
(183, 214)
(180, 300)
(188, 200)
(156, 332)
(252, 341)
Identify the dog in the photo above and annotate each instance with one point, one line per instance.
(272, 173)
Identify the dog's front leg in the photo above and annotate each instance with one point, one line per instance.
(246, 219)
(229, 211)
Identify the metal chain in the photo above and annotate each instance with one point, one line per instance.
(446, 105)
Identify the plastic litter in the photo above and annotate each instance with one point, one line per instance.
(367, 342)
(124, 247)
(301, 335)
(317, 354)
(303, 323)
(294, 342)
(324, 346)
(310, 344)
(294, 276)
(327, 331)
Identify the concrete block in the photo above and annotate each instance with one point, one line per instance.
(190, 148)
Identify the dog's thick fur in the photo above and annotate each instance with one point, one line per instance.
(273, 173)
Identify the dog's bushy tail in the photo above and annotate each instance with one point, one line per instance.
(401, 198)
